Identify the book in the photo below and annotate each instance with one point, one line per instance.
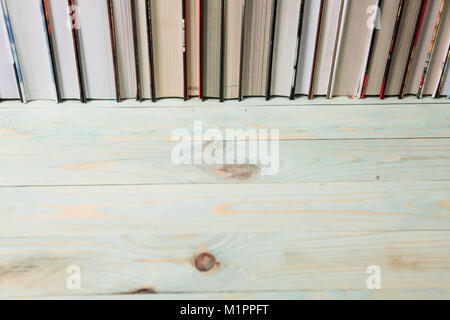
(443, 71)
(307, 46)
(256, 47)
(96, 51)
(234, 18)
(211, 47)
(9, 88)
(376, 25)
(392, 48)
(29, 29)
(445, 91)
(440, 53)
(63, 48)
(127, 58)
(413, 47)
(355, 43)
(422, 46)
(316, 49)
(193, 46)
(285, 46)
(168, 48)
(142, 44)
(343, 9)
(327, 44)
(401, 54)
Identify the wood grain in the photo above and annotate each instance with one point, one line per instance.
(53, 162)
(287, 261)
(94, 125)
(106, 210)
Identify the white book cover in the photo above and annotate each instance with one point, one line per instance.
(96, 52)
(30, 36)
(142, 43)
(307, 46)
(8, 83)
(284, 49)
(64, 49)
(327, 44)
(125, 48)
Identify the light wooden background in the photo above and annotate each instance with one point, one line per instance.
(93, 185)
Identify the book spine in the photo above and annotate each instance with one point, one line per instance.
(136, 51)
(17, 68)
(337, 47)
(73, 18)
(241, 58)
(391, 49)
(112, 34)
(443, 72)
(184, 46)
(430, 52)
(412, 49)
(316, 50)
(297, 48)
(202, 49)
(148, 6)
(222, 51)
(371, 50)
(273, 18)
(50, 47)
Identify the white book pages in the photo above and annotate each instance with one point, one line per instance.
(353, 52)
(233, 37)
(8, 83)
(168, 48)
(66, 67)
(97, 60)
(307, 46)
(381, 47)
(28, 27)
(423, 44)
(193, 45)
(446, 87)
(284, 48)
(142, 44)
(327, 43)
(439, 54)
(125, 48)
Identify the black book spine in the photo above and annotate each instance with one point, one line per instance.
(273, 19)
(48, 34)
(77, 48)
(241, 59)
(136, 51)
(222, 52)
(112, 33)
(150, 49)
(297, 48)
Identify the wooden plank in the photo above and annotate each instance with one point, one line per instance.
(75, 126)
(238, 208)
(286, 261)
(385, 294)
(53, 162)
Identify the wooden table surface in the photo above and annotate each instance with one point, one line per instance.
(93, 186)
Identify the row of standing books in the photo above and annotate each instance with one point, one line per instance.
(224, 49)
